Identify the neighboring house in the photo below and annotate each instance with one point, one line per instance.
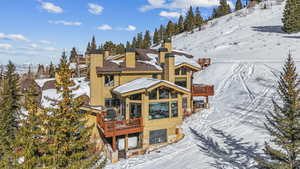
(140, 98)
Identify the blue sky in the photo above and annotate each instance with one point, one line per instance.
(37, 31)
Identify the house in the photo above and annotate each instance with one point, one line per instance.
(140, 98)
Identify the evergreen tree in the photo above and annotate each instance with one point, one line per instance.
(283, 123)
(51, 70)
(180, 25)
(9, 115)
(238, 5)
(68, 137)
(88, 48)
(73, 56)
(93, 43)
(29, 136)
(128, 45)
(291, 16)
(198, 18)
(162, 33)
(139, 40)
(170, 29)
(189, 20)
(134, 43)
(147, 40)
(156, 37)
(223, 9)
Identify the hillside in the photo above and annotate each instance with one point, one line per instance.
(247, 49)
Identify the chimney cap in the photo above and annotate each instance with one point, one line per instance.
(163, 50)
(129, 50)
(169, 55)
(96, 51)
(167, 41)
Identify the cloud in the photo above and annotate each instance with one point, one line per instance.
(45, 42)
(5, 46)
(169, 14)
(36, 47)
(50, 7)
(130, 28)
(177, 4)
(95, 9)
(14, 37)
(66, 23)
(104, 27)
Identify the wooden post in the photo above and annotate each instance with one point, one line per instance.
(206, 99)
(114, 136)
(126, 142)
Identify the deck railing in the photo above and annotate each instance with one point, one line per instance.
(203, 90)
(121, 127)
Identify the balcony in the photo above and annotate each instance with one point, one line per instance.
(112, 128)
(202, 90)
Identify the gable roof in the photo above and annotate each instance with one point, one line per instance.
(143, 84)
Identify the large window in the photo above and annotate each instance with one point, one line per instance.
(158, 136)
(174, 109)
(109, 80)
(153, 94)
(112, 102)
(163, 93)
(181, 83)
(136, 97)
(135, 110)
(159, 110)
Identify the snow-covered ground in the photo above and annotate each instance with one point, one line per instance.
(247, 49)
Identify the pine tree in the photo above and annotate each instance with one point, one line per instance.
(283, 123)
(88, 48)
(162, 33)
(156, 37)
(170, 29)
(291, 17)
(147, 40)
(189, 22)
(198, 18)
(73, 56)
(238, 5)
(180, 25)
(29, 140)
(93, 43)
(139, 40)
(68, 137)
(134, 43)
(51, 70)
(128, 45)
(9, 115)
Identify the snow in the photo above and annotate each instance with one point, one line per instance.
(248, 50)
(182, 59)
(80, 88)
(142, 83)
(117, 61)
(41, 82)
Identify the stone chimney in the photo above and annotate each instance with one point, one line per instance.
(169, 68)
(162, 53)
(130, 58)
(96, 83)
(168, 44)
(106, 53)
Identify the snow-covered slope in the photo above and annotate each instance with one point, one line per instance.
(247, 49)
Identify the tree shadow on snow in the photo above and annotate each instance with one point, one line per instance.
(292, 37)
(269, 29)
(233, 153)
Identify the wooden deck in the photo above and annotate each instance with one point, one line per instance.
(117, 128)
(203, 90)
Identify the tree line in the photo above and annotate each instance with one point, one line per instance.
(32, 136)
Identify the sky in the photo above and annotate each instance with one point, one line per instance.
(38, 31)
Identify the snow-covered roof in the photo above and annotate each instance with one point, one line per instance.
(142, 83)
(182, 59)
(41, 82)
(81, 88)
